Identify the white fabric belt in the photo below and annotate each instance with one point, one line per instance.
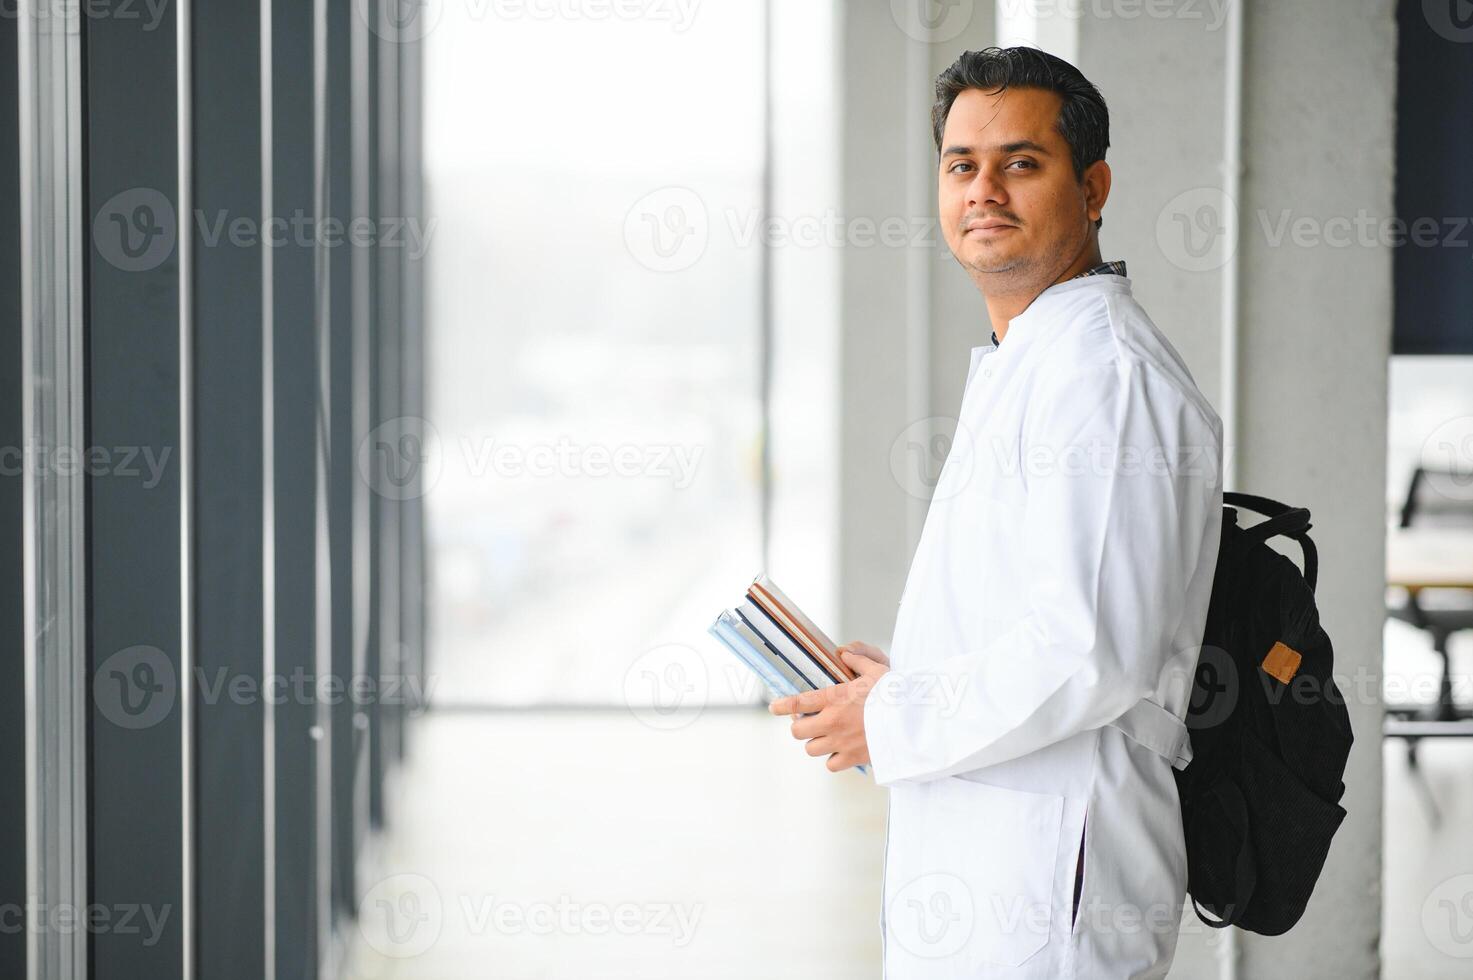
(1158, 730)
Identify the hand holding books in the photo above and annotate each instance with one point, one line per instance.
(805, 671)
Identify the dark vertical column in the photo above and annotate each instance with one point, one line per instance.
(1434, 197)
(323, 597)
(294, 439)
(400, 475)
(341, 467)
(138, 781)
(368, 548)
(12, 472)
(411, 530)
(230, 518)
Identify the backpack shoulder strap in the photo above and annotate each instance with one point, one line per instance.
(1253, 502)
(1158, 730)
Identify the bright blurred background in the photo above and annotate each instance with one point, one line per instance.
(671, 309)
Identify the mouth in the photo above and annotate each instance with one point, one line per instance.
(989, 229)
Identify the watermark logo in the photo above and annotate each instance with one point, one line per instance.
(1448, 450)
(135, 230)
(405, 915)
(830, 228)
(565, 459)
(932, 458)
(667, 230)
(931, 21)
(135, 687)
(1451, 20)
(146, 463)
(1215, 691)
(65, 16)
(675, 921)
(1447, 917)
(401, 916)
(932, 916)
(302, 230)
(65, 918)
(667, 687)
(401, 458)
(1212, 14)
(1197, 230)
(400, 21)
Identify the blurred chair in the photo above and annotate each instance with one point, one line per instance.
(1438, 498)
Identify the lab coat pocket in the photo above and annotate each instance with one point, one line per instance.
(1005, 847)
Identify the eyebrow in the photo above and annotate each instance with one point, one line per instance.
(1013, 147)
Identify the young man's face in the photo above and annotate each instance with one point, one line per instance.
(1011, 207)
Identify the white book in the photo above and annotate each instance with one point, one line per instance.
(769, 656)
(782, 644)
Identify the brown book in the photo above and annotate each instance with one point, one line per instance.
(773, 601)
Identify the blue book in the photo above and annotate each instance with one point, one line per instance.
(726, 629)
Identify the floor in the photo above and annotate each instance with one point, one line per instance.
(617, 843)
(1427, 917)
(581, 844)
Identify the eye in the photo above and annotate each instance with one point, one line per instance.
(1026, 164)
(959, 163)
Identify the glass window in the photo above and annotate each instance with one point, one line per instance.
(594, 293)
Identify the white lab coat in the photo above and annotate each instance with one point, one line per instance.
(1043, 655)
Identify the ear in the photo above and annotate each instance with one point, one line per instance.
(1096, 189)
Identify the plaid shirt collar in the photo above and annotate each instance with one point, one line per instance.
(1103, 269)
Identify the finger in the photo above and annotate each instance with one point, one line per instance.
(865, 650)
(810, 726)
(838, 762)
(819, 746)
(799, 703)
(864, 666)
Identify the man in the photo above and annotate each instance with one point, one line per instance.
(1028, 719)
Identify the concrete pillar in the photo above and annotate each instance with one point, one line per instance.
(1313, 337)
(1319, 135)
(908, 316)
(876, 122)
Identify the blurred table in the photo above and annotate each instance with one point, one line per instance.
(1420, 558)
(1430, 558)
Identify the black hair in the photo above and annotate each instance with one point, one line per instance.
(1084, 120)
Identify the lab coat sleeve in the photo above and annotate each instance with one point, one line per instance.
(1113, 520)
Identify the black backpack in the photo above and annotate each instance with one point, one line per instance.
(1269, 730)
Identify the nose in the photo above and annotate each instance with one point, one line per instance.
(986, 188)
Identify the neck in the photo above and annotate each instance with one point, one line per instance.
(1003, 303)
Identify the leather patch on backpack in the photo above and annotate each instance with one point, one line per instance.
(1282, 662)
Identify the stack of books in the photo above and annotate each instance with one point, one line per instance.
(771, 635)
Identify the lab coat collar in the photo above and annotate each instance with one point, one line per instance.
(1022, 327)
